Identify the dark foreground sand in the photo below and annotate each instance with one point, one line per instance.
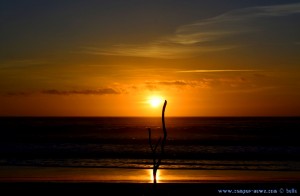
(94, 188)
(115, 181)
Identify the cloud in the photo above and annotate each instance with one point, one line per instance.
(169, 83)
(230, 24)
(166, 48)
(159, 49)
(220, 83)
(281, 10)
(21, 63)
(207, 35)
(155, 85)
(217, 70)
(252, 89)
(103, 91)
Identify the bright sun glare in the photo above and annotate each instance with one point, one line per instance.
(158, 180)
(155, 101)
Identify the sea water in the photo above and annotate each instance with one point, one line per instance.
(198, 143)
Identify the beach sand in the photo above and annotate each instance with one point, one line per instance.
(120, 181)
(165, 189)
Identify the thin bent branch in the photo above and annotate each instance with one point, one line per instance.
(157, 159)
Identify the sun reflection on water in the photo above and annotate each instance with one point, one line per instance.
(158, 175)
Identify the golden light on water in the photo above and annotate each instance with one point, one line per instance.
(48, 174)
(158, 177)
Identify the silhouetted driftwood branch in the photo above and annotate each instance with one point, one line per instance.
(158, 157)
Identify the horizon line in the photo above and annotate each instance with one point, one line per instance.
(191, 116)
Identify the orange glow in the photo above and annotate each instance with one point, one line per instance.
(28, 174)
(158, 176)
(155, 101)
(207, 71)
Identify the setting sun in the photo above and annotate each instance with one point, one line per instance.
(155, 101)
(202, 63)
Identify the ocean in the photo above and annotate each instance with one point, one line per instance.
(193, 143)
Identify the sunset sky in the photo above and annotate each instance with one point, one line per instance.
(114, 57)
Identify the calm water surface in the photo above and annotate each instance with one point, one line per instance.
(262, 143)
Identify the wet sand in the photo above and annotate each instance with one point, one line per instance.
(120, 181)
(123, 175)
(165, 189)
